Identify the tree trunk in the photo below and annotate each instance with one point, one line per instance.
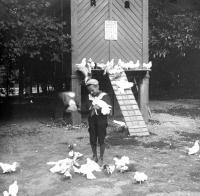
(21, 82)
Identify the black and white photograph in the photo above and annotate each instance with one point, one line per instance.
(99, 97)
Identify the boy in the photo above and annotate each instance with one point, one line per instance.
(97, 118)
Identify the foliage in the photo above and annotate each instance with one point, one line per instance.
(173, 29)
(27, 31)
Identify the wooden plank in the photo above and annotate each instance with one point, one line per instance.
(129, 109)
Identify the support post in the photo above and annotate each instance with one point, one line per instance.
(75, 83)
(144, 96)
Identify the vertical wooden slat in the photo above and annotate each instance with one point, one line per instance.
(145, 32)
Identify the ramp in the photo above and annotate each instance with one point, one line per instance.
(129, 108)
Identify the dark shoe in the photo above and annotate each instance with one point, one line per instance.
(94, 158)
(100, 162)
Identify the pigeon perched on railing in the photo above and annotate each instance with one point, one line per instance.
(147, 65)
(84, 68)
(7, 168)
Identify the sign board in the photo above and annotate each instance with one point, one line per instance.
(110, 30)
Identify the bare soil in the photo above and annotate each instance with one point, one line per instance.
(33, 139)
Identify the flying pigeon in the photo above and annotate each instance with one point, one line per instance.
(9, 167)
(194, 149)
(68, 99)
(13, 189)
(140, 177)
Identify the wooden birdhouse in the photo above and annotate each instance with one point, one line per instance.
(113, 29)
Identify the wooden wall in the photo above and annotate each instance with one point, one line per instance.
(132, 42)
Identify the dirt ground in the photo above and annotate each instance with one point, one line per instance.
(35, 140)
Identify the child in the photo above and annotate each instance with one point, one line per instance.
(97, 119)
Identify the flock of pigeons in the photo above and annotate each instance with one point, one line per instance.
(70, 165)
(112, 68)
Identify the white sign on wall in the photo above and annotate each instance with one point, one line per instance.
(110, 30)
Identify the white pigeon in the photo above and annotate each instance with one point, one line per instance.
(108, 169)
(140, 177)
(132, 65)
(9, 167)
(13, 189)
(84, 69)
(194, 149)
(68, 100)
(109, 66)
(123, 84)
(5, 193)
(105, 108)
(147, 65)
(67, 174)
(88, 168)
(121, 162)
(127, 168)
(120, 123)
(91, 63)
(60, 166)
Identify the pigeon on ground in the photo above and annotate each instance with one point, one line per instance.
(194, 149)
(140, 177)
(88, 168)
(9, 167)
(127, 168)
(121, 162)
(60, 166)
(13, 189)
(108, 169)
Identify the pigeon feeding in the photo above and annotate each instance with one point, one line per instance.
(7, 168)
(140, 177)
(13, 190)
(121, 162)
(61, 166)
(108, 169)
(194, 149)
(87, 169)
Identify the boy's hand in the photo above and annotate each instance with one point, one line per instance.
(96, 107)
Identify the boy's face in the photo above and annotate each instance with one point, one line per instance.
(93, 89)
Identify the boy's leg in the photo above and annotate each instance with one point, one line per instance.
(102, 125)
(93, 138)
